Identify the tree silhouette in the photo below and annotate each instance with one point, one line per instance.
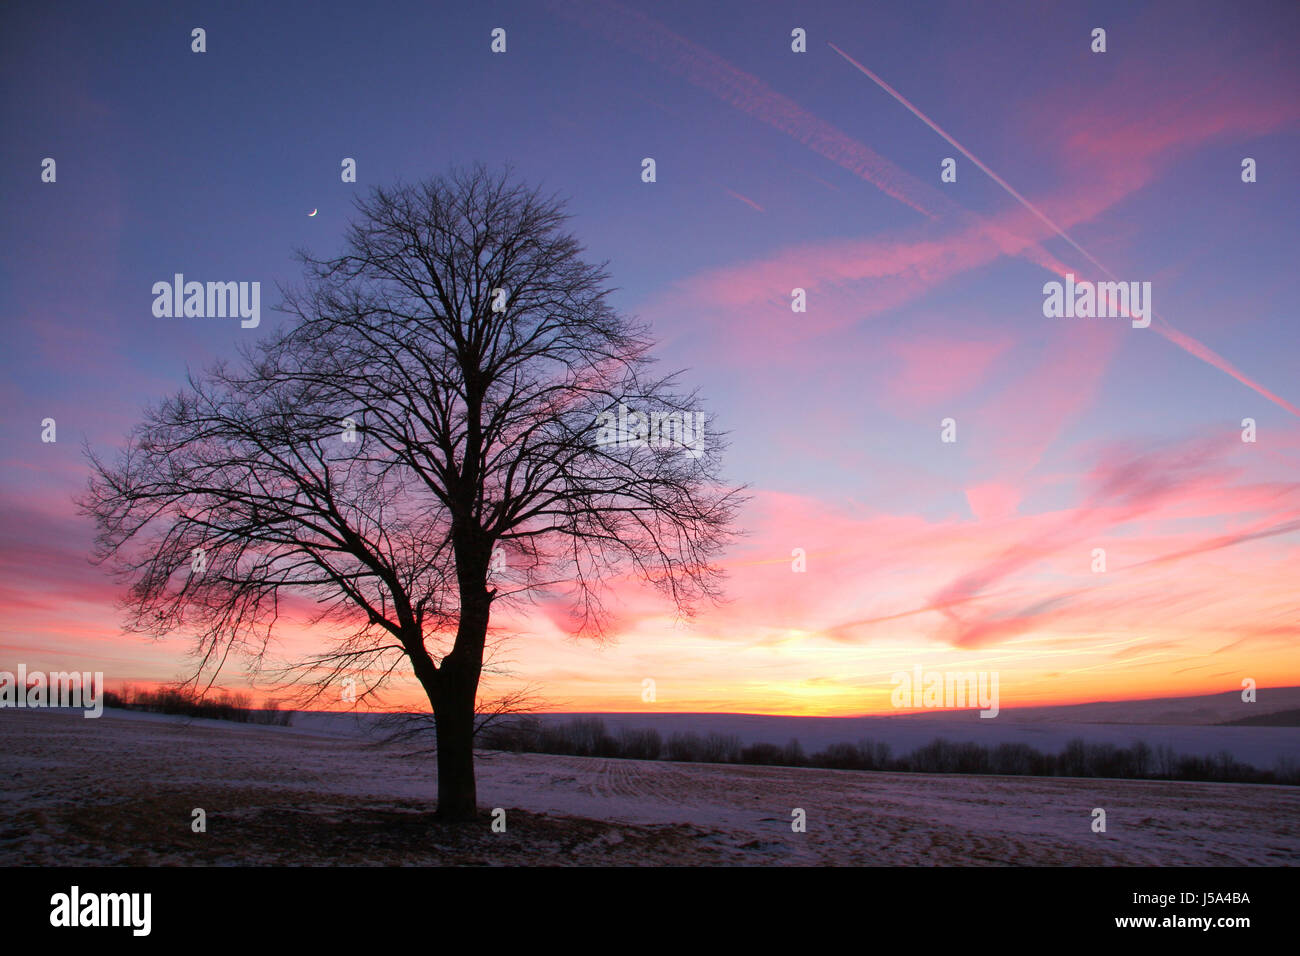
(443, 392)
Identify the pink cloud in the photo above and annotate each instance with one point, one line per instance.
(746, 200)
(931, 368)
(993, 500)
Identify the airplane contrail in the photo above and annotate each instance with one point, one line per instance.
(1182, 340)
(969, 155)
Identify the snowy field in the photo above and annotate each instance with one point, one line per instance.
(122, 789)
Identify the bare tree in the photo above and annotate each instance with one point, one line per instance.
(470, 352)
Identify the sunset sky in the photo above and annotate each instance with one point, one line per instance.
(775, 170)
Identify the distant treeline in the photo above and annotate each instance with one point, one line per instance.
(223, 706)
(1278, 718)
(589, 737)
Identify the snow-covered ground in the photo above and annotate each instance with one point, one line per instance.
(123, 789)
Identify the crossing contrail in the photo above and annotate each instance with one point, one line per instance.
(1182, 340)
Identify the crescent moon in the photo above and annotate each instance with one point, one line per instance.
(312, 213)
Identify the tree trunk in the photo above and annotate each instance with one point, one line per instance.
(454, 718)
(454, 710)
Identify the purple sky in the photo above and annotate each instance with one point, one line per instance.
(775, 170)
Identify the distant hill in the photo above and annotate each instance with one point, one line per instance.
(1192, 725)
(1258, 734)
(1280, 718)
(1205, 710)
